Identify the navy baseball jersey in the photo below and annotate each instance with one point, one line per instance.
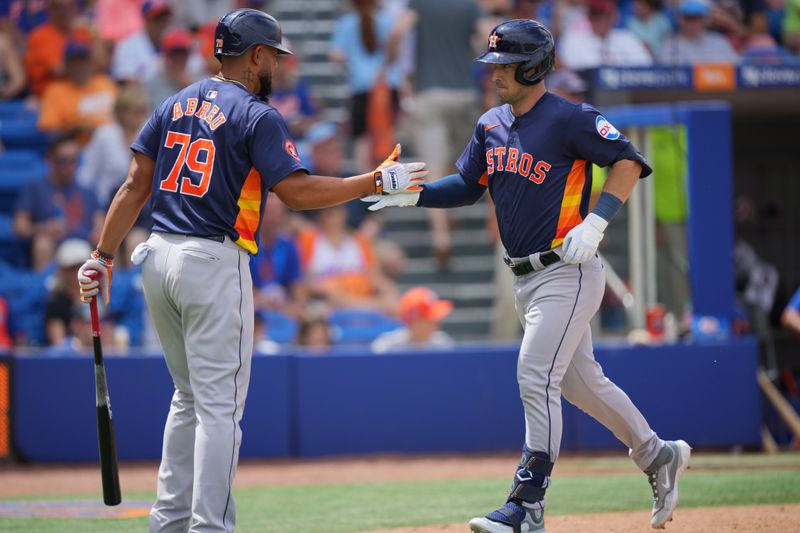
(218, 150)
(538, 168)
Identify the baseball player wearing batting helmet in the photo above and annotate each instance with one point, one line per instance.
(207, 158)
(534, 153)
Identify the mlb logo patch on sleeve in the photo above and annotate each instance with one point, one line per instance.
(606, 129)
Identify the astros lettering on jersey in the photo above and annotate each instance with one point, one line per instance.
(538, 168)
(203, 139)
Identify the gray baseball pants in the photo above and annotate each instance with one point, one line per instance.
(556, 358)
(200, 296)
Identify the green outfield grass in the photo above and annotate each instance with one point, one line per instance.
(360, 507)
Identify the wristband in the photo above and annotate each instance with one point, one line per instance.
(103, 258)
(607, 206)
(378, 177)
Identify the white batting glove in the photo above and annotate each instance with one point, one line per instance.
(403, 199)
(582, 241)
(94, 277)
(399, 177)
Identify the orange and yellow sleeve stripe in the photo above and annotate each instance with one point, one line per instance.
(249, 202)
(571, 204)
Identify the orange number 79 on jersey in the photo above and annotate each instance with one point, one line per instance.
(190, 156)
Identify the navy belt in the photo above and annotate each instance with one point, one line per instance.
(217, 238)
(520, 267)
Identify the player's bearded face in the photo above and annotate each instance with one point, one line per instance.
(265, 74)
(265, 80)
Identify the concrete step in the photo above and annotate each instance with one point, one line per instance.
(291, 9)
(461, 269)
(418, 243)
(301, 29)
(470, 264)
(471, 294)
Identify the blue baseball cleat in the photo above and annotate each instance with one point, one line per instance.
(511, 518)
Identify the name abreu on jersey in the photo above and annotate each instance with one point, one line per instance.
(208, 111)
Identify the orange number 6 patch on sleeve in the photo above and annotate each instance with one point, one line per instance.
(190, 155)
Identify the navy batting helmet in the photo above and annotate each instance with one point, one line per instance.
(522, 41)
(239, 30)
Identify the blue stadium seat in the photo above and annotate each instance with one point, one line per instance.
(18, 128)
(18, 167)
(26, 295)
(359, 327)
(13, 108)
(280, 327)
(13, 251)
(127, 303)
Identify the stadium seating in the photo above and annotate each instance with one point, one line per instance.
(18, 127)
(359, 327)
(280, 327)
(26, 294)
(17, 167)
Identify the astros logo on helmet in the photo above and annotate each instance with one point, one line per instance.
(527, 43)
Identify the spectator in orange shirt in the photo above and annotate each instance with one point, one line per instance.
(340, 268)
(45, 51)
(80, 102)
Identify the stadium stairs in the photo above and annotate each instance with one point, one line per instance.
(468, 280)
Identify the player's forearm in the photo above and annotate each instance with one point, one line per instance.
(124, 210)
(622, 178)
(303, 191)
(127, 203)
(451, 191)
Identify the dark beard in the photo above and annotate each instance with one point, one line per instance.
(266, 87)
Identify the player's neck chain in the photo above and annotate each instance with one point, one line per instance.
(237, 82)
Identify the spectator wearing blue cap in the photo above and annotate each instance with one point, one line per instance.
(694, 43)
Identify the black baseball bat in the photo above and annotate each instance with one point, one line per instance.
(112, 495)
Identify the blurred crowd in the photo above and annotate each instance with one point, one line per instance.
(92, 72)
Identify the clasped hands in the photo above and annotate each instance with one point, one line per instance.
(396, 184)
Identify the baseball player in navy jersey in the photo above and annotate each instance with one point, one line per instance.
(208, 157)
(535, 155)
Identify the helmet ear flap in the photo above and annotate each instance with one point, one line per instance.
(534, 70)
(522, 76)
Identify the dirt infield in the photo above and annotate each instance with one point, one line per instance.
(22, 480)
(762, 518)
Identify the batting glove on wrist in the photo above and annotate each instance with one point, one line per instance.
(94, 277)
(403, 199)
(400, 177)
(582, 241)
